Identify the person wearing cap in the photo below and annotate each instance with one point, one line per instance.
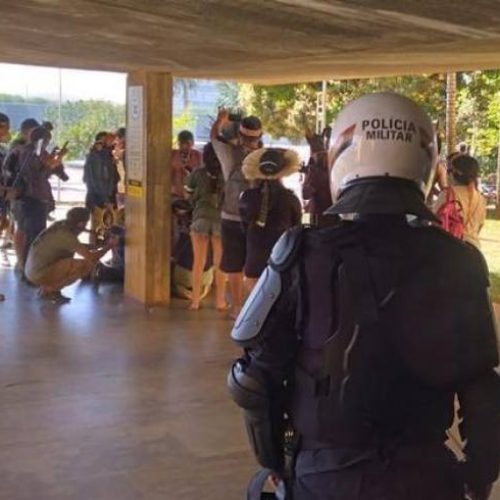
(359, 336)
(268, 209)
(51, 264)
(464, 170)
(231, 147)
(10, 169)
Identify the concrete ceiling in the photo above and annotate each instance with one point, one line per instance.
(268, 41)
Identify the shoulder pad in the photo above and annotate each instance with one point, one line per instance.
(286, 249)
(257, 307)
(465, 256)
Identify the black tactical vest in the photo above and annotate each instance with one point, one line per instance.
(392, 319)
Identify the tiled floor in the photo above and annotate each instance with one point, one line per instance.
(102, 399)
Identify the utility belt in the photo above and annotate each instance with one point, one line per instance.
(317, 457)
(317, 461)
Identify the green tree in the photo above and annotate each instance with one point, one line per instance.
(183, 121)
(182, 87)
(478, 118)
(17, 98)
(229, 95)
(82, 120)
(286, 110)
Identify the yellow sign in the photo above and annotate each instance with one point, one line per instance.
(135, 189)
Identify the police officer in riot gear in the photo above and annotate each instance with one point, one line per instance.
(359, 336)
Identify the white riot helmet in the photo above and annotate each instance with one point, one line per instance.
(382, 143)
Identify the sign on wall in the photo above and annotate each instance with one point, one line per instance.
(135, 140)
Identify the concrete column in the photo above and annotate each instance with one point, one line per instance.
(147, 209)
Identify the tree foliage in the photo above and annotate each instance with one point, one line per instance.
(229, 95)
(286, 110)
(81, 121)
(183, 121)
(13, 98)
(479, 115)
(183, 87)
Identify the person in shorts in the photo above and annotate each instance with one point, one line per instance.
(185, 159)
(205, 189)
(233, 139)
(10, 170)
(51, 264)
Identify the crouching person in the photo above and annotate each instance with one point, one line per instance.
(51, 264)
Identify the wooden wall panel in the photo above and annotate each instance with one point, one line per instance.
(148, 217)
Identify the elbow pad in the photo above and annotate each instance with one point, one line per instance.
(265, 427)
(267, 291)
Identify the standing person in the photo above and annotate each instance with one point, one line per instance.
(231, 153)
(27, 126)
(51, 264)
(315, 188)
(185, 159)
(4, 136)
(36, 165)
(205, 188)
(4, 203)
(464, 171)
(101, 178)
(268, 209)
(119, 146)
(364, 332)
(10, 169)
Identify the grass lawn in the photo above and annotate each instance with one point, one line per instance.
(490, 245)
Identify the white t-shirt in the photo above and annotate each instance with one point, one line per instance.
(473, 211)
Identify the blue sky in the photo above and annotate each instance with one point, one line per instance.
(39, 81)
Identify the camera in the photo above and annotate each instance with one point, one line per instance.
(61, 173)
(60, 153)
